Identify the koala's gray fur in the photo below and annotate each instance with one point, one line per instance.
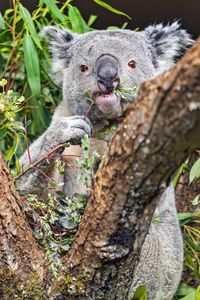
(154, 50)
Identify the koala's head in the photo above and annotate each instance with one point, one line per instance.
(105, 67)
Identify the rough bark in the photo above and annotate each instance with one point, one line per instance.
(156, 135)
(20, 257)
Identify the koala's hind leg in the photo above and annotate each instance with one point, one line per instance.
(161, 259)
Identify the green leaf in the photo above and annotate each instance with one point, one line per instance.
(91, 20)
(32, 64)
(29, 24)
(180, 171)
(55, 10)
(17, 164)
(189, 296)
(124, 25)
(53, 184)
(8, 11)
(40, 117)
(197, 295)
(196, 200)
(10, 152)
(140, 293)
(184, 218)
(3, 133)
(112, 27)
(2, 25)
(195, 171)
(192, 244)
(78, 23)
(185, 292)
(110, 8)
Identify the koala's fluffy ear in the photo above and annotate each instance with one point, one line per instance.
(59, 41)
(166, 43)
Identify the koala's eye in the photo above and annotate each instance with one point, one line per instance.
(132, 64)
(83, 68)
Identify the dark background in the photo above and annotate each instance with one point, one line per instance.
(143, 12)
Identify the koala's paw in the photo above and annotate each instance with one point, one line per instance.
(71, 128)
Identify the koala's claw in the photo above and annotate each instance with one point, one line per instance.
(70, 128)
(82, 123)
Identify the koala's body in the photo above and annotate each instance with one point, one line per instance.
(108, 66)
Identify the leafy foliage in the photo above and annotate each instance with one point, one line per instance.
(43, 214)
(191, 235)
(25, 62)
(10, 128)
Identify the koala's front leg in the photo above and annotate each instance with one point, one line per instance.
(61, 130)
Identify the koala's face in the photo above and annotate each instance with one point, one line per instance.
(103, 73)
(100, 70)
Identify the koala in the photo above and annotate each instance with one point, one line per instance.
(109, 66)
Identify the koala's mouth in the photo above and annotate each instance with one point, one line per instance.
(108, 103)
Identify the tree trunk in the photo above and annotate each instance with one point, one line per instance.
(155, 137)
(21, 260)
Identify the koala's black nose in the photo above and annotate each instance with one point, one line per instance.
(107, 73)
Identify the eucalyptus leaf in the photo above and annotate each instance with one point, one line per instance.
(3, 133)
(180, 171)
(55, 10)
(183, 289)
(197, 295)
(112, 27)
(124, 25)
(190, 261)
(195, 171)
(112, 9)
(29, 25)
(40, 116)
(8, 11)
(140, 293)
(32, 64)
(11, 152)
(17, 164)
(189, 296)
(184, 218)
(2, 25)
(189, 241)
(196, 200)
(77, 22)
(91, 20)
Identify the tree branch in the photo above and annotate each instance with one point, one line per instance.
(156, 136)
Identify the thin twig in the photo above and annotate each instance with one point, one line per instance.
(33, 165)
(43, 173)
(26, 138)
(89, 110)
